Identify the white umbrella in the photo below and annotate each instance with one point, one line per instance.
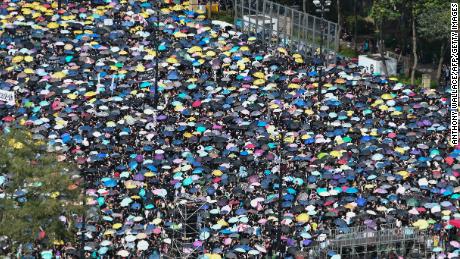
(123, 253)
(142, 245)
(106, 243)
(130, 238)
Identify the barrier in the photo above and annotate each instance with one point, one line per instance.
(280, 25)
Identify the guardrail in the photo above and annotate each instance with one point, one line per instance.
(284, 26)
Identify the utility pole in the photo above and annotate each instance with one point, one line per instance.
(323, 6)
(355, 31)
(83, 220)
(156, 40)
(280, 196)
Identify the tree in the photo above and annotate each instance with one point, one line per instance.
(36, 192)
(433, 25)
(383, 11)
(339, 20)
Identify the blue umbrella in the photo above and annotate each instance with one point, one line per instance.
(109, 182)
(187, 181)
(352, 190)
(361, 202)
(173, 75)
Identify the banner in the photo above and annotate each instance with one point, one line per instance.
(7, 96)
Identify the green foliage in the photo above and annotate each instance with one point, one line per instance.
(385, 10)
(29, 168)
(433, 20)
(347, 52)
(225, 16)
(365, 26)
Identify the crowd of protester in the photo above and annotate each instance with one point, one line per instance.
(233, 115)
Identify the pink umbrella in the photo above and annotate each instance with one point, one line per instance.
(196, 103)
(392, 135)
(197, 243)
(157, 231)
(160, 192)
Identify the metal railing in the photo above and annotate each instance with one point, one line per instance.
(362, 241)
(279, 25)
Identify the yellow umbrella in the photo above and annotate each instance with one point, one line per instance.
(293, 86)
(298, 60)
(421, 224)
(109, 232)
(289, 139)
(387, 96)
(68, 46)
(194, 49)
(90, 94)
(180, 34)
(217, 173)
(130, 185)
(222, 222)
(140, 68)
(383, 107)
(72, 96)
(296, 55)
(282, 50)
(28, 58)
(26, 11)
(149, 174)
(18, 59)
(213, 256)
(336, 153)
(171, 60)
(58, 75)
(393, 79)
(156, 221)
(210, 53)
(244, 48)
(404, 174)
(377, 102)
(259, 75)
(177, 8)
(29, 71)
(117, 225)
(400, 150)
(53, 25)
(303, 217)
(259, 82)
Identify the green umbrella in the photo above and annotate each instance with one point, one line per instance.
(412, 202)
(347, 139)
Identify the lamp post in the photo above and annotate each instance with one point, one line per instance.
(280, 194)
(83, 220)
(155, 44)
(322, 7)
(284, 114)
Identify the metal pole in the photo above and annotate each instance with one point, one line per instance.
(155, 97)
(280, 196)
(355, 30)
(210, 9)
(321, 50)
(83, 223)
(59, 4)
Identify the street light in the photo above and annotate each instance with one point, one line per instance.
(156, 40)
(322, 7)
